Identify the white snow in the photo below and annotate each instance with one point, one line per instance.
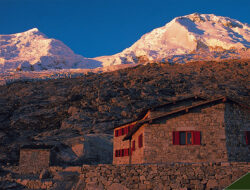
(32, 50)
(188, 35)
(185, 38)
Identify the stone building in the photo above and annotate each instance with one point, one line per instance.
(34, 158)
(193, 129)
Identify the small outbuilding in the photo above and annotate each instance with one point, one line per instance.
(34, 158)
(193, 129)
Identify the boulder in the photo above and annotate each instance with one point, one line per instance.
(44, 174)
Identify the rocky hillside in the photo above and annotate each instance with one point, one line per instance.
(76, 115)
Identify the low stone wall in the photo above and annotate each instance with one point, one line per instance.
(161, 176)
(169, 176)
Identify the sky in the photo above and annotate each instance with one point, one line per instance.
(104, 27)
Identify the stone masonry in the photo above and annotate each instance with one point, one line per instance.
(222, 128)
(167, 176)
(33, 161)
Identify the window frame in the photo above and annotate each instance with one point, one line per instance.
(140, 141)
(123, 131)
(133, 145)
(194, 134)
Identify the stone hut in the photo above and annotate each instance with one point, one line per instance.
(34, 158)
(193, 129)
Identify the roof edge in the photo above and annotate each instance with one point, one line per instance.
(185, 110)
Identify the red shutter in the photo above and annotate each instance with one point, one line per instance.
(247, 134)
(176, 137)
(133, 146)
(126, 131)
(120, 132)
(130, 128)
(140, 141)
(125, 152)
(116, 153)
(197, 137)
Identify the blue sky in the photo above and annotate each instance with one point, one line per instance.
(105, 27)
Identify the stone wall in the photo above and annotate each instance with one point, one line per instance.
(237, 121)
(33, 160)
(209, 121)
(162, 176)
(118, 143)
(222, 128)
(137, 156)
(168, 176)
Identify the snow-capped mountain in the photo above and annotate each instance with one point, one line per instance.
(32, 50)
(188, 38)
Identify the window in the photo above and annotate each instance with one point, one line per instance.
(122, 152)
(186, 138)
(126, 152)
(247, 136)
(123, 131)
(140, 141)
(133, 145)
(116, 133)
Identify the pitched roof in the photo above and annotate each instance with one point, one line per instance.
(143, 113)
(182, 110)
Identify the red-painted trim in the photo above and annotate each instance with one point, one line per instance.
(196, 137)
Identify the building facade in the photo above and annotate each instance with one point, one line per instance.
(34, 158)
(189, 130)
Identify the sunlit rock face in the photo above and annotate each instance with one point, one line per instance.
(186, 38)
(32, 50)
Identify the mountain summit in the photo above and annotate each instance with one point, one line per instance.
(187, 38)
(32, 50)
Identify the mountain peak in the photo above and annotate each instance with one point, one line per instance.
(186, 36)
(33, 30)
(32, 50)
